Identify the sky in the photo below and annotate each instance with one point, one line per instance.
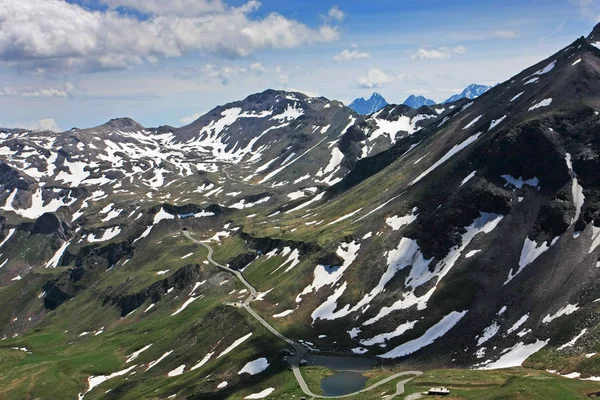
(79, 63)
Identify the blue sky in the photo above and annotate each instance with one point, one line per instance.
(82, 62)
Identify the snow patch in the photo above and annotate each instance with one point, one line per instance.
(431, 335)
(255, 367)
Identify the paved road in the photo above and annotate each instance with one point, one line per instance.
(300, 350)
(414, 396)
(400, 388)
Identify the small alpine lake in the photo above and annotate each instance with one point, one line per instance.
(347, 377)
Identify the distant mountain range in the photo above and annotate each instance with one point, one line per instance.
(471, 92)
(418, 101)
(375, 103)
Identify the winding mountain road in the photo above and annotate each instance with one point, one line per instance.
(300, 351)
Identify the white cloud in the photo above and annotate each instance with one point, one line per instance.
(184, 8)
(281, 77)
(375, 78)
(430, 54)
(190, 119)
(41, 125)
(347, 55)
(59, 36)
(223, 74)
(258, 68)
(440, 53)
(583, 4)
(226, 74)
(336, 14)
(459, 49)
(8, 91)
(506, 34)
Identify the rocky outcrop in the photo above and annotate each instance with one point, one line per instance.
(266, 244)
(437, 230)
(183, 277)
(11, 180)
(242, 260)
(89, 261)
(50, 224)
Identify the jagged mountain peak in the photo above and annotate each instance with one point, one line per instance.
(470, 92)
(415, 101)
(368, 106)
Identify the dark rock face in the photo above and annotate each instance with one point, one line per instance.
(189, 209)
(106, 256)
(367, 167)
(165, 129)
(255, 197)
(49, 223)
(11, 180)
(437, 230)
(330, 259)
(57, 293)
(3, 226)
(241, 261)
(90, 261)
(46, 224)
(349, 145)
(553, 219)
(182, 278)
(515, 154)
(266, 244)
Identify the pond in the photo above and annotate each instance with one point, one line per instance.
(348, 378)
(343, 382)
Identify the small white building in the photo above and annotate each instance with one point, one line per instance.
(438, 391)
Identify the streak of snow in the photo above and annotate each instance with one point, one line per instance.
(260, 395)
(456, 149)
(136, 354)
(203, 361)
(431, 335)
(566, 310)
(235, 344)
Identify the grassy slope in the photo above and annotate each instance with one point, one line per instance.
(59, 354)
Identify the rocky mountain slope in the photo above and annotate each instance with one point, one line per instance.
(456, 235)
(368, 106)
